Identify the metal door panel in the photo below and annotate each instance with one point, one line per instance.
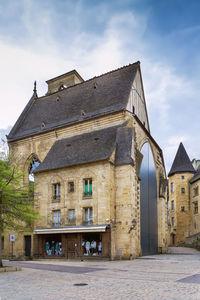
(148, 203)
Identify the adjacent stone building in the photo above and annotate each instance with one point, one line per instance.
(184, 182)
(100, 182)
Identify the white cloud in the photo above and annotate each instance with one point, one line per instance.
(43, 55)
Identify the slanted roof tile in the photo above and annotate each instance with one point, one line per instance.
(89, 147)
(96, 97)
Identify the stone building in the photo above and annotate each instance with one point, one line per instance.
(100, 182)
(184, 199)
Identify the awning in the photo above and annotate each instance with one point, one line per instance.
(72, 229)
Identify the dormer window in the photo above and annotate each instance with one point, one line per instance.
(62, 87)
(42, 125)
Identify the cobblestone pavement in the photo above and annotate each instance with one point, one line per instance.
(156, 277)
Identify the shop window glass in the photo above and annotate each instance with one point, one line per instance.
(56, 218)
(88, 217)
(88, 187)
(71, 216)
(71, 187)
(91, 244)
(53, 247)
(56, 192)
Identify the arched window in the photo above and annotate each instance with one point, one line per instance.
(33, 165)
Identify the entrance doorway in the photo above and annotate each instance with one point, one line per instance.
(173, 238)
(148, 203)
(27, 245)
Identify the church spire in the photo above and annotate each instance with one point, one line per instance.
(182, 163)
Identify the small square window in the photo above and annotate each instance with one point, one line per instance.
(182, 177)
(183, 190)
(71, 187)
(182, 208)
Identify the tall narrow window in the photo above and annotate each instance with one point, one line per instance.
(56, 218)
(2, 243)
(172, 205)
(71, 216)
(172, 187)
(183, 190)
(196, 191)
(70, 187)
(173, 223)
(56, 192)
(88, 218)
(88, 187)
(196, 207)
(33, 165)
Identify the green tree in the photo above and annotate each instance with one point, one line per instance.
(16, 200)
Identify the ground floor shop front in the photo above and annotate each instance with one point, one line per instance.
(52, 243)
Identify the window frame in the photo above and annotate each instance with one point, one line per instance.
(56, 192)
(182, 190)
(172, 205)
(182, 208)
(196, 207)
(57, 216)
(70, 185)
(87, 192)
(88, 215)
(73, 219)
(172, 187)
(195, 191)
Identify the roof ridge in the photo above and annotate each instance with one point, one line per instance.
(90, 79)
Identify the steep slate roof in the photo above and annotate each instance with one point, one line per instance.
(95, 97)
(181, 162)
(89, 147)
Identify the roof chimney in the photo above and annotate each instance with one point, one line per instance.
(63, 81)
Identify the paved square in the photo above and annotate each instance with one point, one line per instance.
(155, 277)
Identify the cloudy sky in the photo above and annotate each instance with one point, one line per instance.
(42, 39)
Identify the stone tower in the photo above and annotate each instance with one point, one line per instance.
(179, 205)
